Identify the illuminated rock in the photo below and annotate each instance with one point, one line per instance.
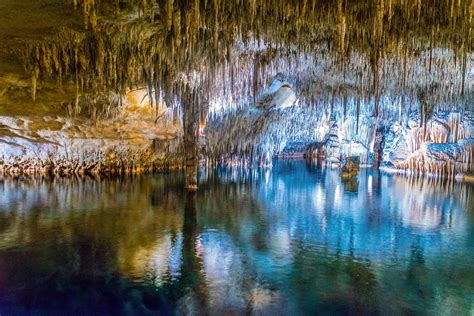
(350, 169)
(243, 69)
(442, 147)
(66, 146)
(332, 142)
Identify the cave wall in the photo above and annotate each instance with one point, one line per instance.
(135, 140)
(441, 145)
(326, 79)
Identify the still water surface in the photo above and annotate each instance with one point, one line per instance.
(294, 240)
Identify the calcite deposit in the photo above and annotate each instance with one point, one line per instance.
(132, 142)
(444, 146)
(388, 81)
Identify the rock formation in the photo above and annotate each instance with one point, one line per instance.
(131, 142)
(442, 147)
(350, 169)
(267, 74)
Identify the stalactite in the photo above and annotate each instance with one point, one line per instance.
(120, 74)
(34, 81)
(358, 115)
(342, 25)
(463, 70)
(232, 49)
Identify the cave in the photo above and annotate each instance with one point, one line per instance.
(236, 157)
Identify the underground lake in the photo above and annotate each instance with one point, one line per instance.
(293, 240)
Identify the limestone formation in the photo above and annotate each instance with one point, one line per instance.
(265, 74)
(350, 169)
(442, 147)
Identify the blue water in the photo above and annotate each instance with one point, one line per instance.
(293, 240)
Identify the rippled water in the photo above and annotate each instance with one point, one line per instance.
(293, 240)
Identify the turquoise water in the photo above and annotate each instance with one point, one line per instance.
(292, 240)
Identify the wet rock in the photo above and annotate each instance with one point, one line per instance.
(441, 147)
(279, 95)
(350, 168)
(71, 145)
(441, 152)
(332, 142)
(315, 150)
(396, 148)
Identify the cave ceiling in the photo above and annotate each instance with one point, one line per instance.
(227, 51)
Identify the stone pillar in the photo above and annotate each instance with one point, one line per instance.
(191, 142)
(378, 147)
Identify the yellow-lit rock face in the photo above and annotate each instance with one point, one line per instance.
(73, 144)
(138, 103)
(138, 99)
(366, 53)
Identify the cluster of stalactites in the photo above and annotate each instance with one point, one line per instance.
(259, 134)
(226, 51)
(89, 8)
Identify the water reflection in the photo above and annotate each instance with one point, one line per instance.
(352, 185)
(294, 240)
